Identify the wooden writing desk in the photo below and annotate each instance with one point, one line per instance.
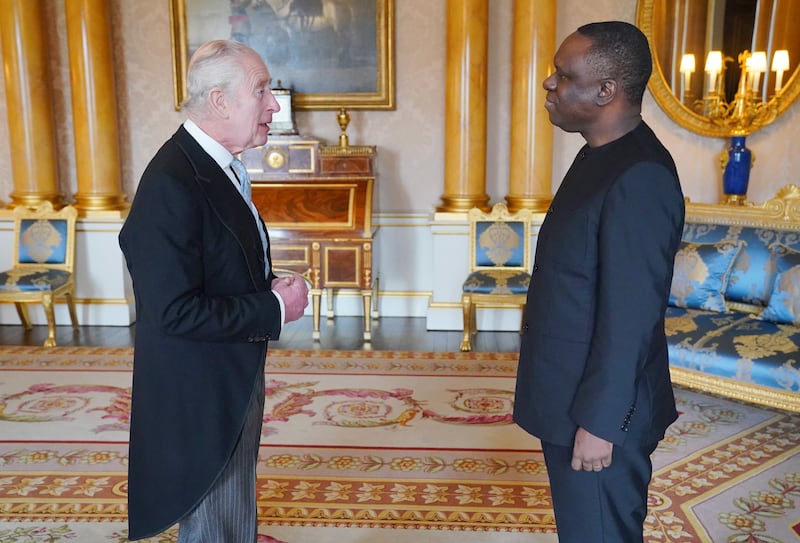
(317, 203)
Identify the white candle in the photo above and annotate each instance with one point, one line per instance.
(780, 63)
(758, 65)
(687, 69)
(713, 67)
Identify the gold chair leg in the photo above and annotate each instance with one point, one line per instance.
(473, 318)
(22, 311)
(73, 315)
(47, 302)
(466, 305)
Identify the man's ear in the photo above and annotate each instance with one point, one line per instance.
(607, 92)
(217, 102)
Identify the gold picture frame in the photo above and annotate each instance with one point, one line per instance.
(349, 64)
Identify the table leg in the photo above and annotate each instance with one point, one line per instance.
(375, 290)
(329, 300)
(366, 296)
(316, 299)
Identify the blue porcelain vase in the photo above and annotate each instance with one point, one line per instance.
(737, 170)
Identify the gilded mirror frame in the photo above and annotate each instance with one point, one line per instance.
(678, 112)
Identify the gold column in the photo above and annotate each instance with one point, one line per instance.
(94, 107)
(531, 144)
(28, 97)
(465, 106)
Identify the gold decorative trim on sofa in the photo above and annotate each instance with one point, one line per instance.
(729, 388)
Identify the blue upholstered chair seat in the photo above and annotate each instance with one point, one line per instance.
(33, 281)
(497, 282)
(735, 346)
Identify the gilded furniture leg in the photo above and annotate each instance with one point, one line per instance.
(375, 289)
(329, 299)
(473, 319)
(366, 296)
(73, 315)
(22, 311)
(466, 304)
(316, 299)
(49, 311)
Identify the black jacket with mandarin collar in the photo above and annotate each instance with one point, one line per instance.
(593, 351)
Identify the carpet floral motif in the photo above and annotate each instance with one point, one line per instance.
(365, 408)
(373, 441)
(748, 521)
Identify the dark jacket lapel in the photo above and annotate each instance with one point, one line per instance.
(231, 209)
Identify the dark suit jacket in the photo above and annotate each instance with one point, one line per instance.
(593, 351)
(204, 314)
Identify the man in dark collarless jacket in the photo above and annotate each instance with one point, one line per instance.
(207, 303)
(593, 382)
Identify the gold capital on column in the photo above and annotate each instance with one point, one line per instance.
(28, 99)
(465, 106)
(531, 140)
(94, 107)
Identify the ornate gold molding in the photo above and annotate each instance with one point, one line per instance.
(782, 211)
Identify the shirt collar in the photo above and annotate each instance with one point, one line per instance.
(211, 146)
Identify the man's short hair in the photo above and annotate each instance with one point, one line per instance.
(216, 63)
(620, 51)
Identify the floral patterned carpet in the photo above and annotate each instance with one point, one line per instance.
(371, 446)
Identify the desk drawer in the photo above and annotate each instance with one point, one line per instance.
(291, 257)
(352, 165)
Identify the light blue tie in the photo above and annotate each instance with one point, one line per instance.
(246, 190)
(243, 177)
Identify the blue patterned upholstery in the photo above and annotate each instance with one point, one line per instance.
(497, 282)
(746, 283)
(784, 300)
(33, 281)
(701, 274)
(499, 243)
(42, 241)
(736, 346)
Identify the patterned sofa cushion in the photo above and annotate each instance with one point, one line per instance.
(784, 300)
(701, 274)
(750, 280)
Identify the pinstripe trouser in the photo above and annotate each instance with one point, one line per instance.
(227, 514)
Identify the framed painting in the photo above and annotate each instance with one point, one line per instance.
(331, 54)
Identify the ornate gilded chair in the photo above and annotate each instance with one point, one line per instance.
(499, 272)
(44, 256)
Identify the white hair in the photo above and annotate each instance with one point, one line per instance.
(216, 63)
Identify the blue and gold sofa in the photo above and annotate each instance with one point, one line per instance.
(733, 322)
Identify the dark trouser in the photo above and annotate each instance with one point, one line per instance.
(608, 506)
(227, 514)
